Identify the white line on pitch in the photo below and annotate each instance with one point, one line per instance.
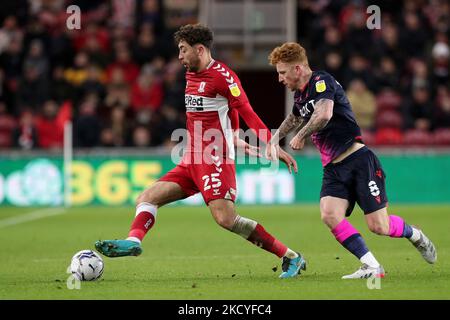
(34, 215)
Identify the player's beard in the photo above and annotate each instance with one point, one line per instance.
(193, 65)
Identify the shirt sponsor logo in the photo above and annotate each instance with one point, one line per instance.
(191, 101)
(304, 110)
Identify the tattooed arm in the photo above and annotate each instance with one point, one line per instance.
(323, 111)
(290, 123)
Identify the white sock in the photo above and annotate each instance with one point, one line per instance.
(134, 239)
(370, 260)
(290, 254)
(415, 235)
(243, 226)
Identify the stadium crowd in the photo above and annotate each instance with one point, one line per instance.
(119, 79)
(396, 77)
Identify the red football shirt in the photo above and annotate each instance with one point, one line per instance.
(213, 99)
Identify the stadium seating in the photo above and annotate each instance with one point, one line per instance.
(389, 119)
(389, 137)
(416, 137)
(388, 99)
(442, 136)
(368, 137)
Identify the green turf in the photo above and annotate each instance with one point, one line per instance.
(187, 256)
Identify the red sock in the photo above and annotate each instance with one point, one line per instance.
(264, 240)
(141, 224)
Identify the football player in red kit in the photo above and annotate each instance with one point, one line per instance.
(214, 101)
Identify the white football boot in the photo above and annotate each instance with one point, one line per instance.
(365, 272)
(426, 248)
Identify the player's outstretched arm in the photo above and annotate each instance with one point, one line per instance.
(290, 123)
(248, 148)
(255, 123)
(323, 111)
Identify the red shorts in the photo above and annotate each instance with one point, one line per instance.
(214, 181)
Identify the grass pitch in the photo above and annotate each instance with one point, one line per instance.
(187, 256)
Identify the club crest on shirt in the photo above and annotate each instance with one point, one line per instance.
(321, 86)
(234, 89)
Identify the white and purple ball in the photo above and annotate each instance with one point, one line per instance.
(86, 265)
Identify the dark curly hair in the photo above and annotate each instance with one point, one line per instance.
(194, 34)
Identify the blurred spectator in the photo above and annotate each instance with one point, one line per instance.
(174, 85)
(119, 127)
(107, 137)
(388, 45)
(145, 48)
(87, 125)
(95, 53)
(441, 56)
(333, 64)
(442, 111)
(141, 137)
(35, 30)
(419, 76)
(418, 110)
(352, 12)
(61, 47)
(386, 75)
(123, 61)
(93, 82)
(60, 88)
(358, 67)
(147, 92)
(9, 31)
(144, 117)
(32, 90)
(169, 121)
(37, 58)
(77, 73)
(92, 30)
(357, 33)
(413, 36)
(11, 60)
(363, 104)
(25, 135)
(7, 125)
(332, 43)
(123, 12)
(50, 133)
(117, 91)
(6, 95)
(149, 12)
(120, 34)
(178, 13)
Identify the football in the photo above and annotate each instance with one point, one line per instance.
(86, 265)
